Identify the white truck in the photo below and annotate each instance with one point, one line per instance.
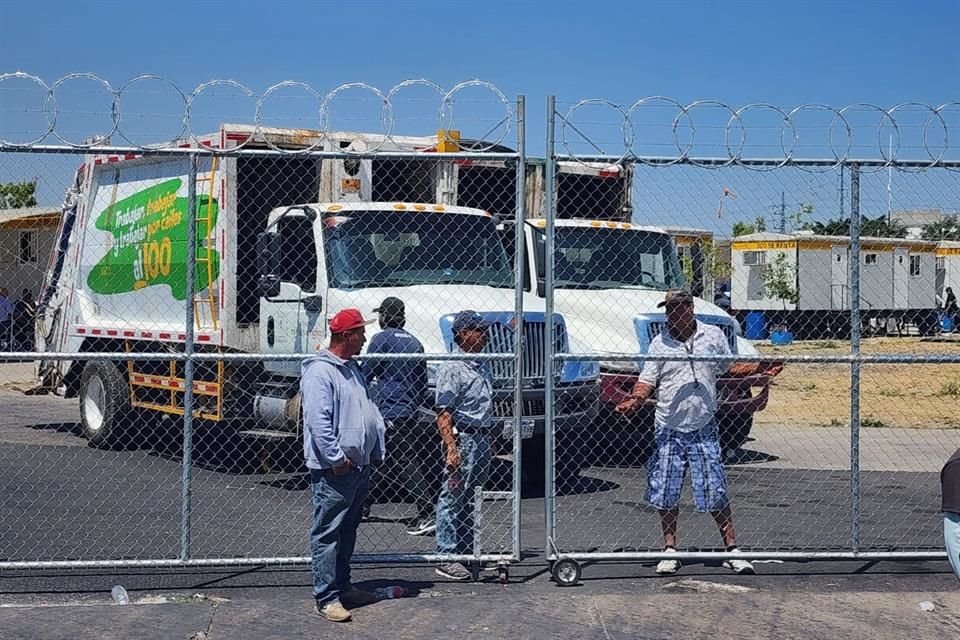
(608, 279)
(117, 281)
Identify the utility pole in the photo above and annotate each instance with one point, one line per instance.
(783, 212)
(842, 207)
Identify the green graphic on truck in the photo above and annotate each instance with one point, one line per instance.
(149, 247)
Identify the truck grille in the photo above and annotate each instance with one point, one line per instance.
(501, 339)
(504, 408)
(654, 328)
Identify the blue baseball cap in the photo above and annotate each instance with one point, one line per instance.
(469, 321)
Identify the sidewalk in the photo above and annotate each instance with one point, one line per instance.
(699, 603)
(17, 376)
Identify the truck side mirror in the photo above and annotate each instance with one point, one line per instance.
(268, 253)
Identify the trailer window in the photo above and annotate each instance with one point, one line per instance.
(870, 259)
(915, 266)
(754, 258)
(28, 247)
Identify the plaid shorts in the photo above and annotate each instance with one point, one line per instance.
(667, 467)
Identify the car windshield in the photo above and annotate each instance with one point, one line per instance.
(601, 258)
(390, 248)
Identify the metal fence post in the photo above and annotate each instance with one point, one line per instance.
(855, 364)
(518, 266)
(186, 477)
(549, 201)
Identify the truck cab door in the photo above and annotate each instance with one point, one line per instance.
(291, 309)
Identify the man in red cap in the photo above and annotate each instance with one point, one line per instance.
(343, 437)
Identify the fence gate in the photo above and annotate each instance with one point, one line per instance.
(205, 240)
(806, 243)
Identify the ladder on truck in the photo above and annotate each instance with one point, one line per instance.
(161, 390)
(205, 302)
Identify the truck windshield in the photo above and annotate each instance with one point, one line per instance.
(588, 258)
(388, 248)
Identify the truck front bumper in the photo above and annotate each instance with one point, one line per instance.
(737, 396)
(575, 407)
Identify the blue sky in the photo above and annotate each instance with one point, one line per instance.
(784, 53)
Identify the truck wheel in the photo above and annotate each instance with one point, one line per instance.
(104, 404)
(734, 430)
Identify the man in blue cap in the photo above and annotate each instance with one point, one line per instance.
(464, 406)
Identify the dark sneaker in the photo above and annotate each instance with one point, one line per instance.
(333, 611)
(454, 571)
(423, 527)
(357, 598)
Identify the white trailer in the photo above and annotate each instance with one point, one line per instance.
(897, 282)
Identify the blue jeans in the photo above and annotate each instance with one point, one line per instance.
(455, 505)
(951, 539)
(337, 509)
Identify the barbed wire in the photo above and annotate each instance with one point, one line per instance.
(838, 139)
(503, 121)
(682, 129)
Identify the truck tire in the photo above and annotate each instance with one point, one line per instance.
(104, 404)
(734, 430)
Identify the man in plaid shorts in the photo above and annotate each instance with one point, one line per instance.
(685, 431)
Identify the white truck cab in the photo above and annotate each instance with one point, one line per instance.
(608, 279)
(438, 259)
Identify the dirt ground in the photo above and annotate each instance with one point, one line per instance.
(902, 395)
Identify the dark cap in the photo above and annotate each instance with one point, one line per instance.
(676, 297)
(391, 307)
(469, 321)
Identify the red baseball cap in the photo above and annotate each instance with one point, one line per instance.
(347, 320)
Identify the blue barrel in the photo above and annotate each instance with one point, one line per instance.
(781, 337)
(946, 323)
(756, 328)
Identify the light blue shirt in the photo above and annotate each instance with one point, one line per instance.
(6, 308)
(465, 389)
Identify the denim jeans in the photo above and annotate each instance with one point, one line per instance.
(337, 508)
(455, 505)
(951, 539)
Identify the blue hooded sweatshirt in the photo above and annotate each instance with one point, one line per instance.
(339, 418)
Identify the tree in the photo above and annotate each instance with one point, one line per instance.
(16, 195)
(743, 229)
(946, 229)
(780, 280)
(878, 227)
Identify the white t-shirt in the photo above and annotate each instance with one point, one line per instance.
(686, 391)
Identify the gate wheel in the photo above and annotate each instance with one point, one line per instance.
(566, 572)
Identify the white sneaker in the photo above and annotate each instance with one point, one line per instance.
(668, 566)
(738, 566)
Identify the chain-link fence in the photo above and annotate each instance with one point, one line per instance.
(208, 237)
(206, 241)
(809, 393)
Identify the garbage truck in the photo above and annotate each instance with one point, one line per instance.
(282, 243)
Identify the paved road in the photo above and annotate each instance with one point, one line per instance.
(60, 499)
